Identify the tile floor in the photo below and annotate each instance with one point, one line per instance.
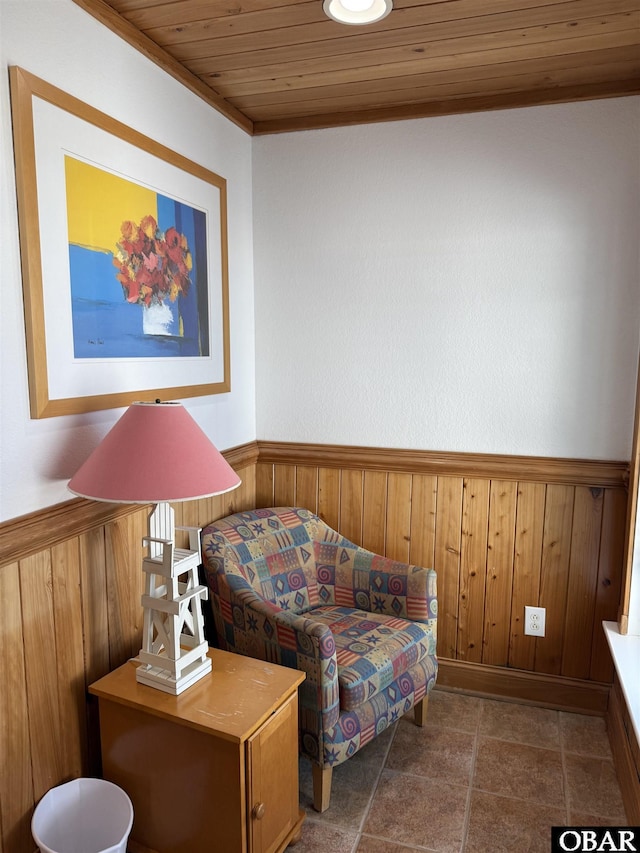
(482, 776)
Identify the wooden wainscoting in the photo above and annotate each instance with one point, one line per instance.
(502, 532)
(70, 587)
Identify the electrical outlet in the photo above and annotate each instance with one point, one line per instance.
(534, 619)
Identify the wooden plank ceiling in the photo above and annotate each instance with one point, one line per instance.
(281, 65)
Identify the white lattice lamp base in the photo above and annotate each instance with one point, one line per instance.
(174, 650)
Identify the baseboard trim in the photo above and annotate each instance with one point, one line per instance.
(622, 745)
(547, 691)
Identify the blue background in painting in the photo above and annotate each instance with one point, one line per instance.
(105, 325)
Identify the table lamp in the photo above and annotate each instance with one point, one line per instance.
(157, 454)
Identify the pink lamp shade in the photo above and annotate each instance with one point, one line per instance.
(155, 452)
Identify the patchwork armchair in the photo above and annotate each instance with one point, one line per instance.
(287, 588)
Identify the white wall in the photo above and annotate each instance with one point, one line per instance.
(467, 283)
(59, 42)
(462, 283)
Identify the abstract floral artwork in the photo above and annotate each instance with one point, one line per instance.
(123, 245)
(139, 285)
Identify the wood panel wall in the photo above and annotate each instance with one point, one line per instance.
(70, 613)
(502, 532)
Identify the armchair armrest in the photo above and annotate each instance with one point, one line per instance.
(377, 584)
(355, 577)
(399, 589)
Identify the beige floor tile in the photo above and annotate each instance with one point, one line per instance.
(585, 735)
(352, 785)
(453, 710)
(324, 838)
(592, 786)
(530, 769)
(379, 845)
(520, 723)
(432, 751)
(504, 825)
(418, 812)
(583, 819)
(519, 770)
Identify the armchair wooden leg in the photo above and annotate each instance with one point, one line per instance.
(321, 787)
(420, 711)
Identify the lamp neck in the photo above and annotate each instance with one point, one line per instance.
(162, 525)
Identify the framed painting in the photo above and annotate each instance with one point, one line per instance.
(124, 259)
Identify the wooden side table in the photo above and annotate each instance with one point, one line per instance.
(214, 769)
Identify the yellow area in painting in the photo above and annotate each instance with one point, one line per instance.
(99, 202)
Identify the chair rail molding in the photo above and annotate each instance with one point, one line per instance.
(595, 473)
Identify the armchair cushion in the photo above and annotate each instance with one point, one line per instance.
(372, 650)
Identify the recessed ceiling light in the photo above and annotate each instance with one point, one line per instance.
(357, 11)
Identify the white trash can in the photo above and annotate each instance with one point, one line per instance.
(83, 816)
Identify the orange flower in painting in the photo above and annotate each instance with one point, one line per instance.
(129, 230)
(151, 265)
(149, 226)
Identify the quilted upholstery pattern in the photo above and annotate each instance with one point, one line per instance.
(282, 584)
(372, 650)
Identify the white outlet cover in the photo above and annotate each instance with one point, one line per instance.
(534, 621)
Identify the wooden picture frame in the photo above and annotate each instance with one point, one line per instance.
(112, 223)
